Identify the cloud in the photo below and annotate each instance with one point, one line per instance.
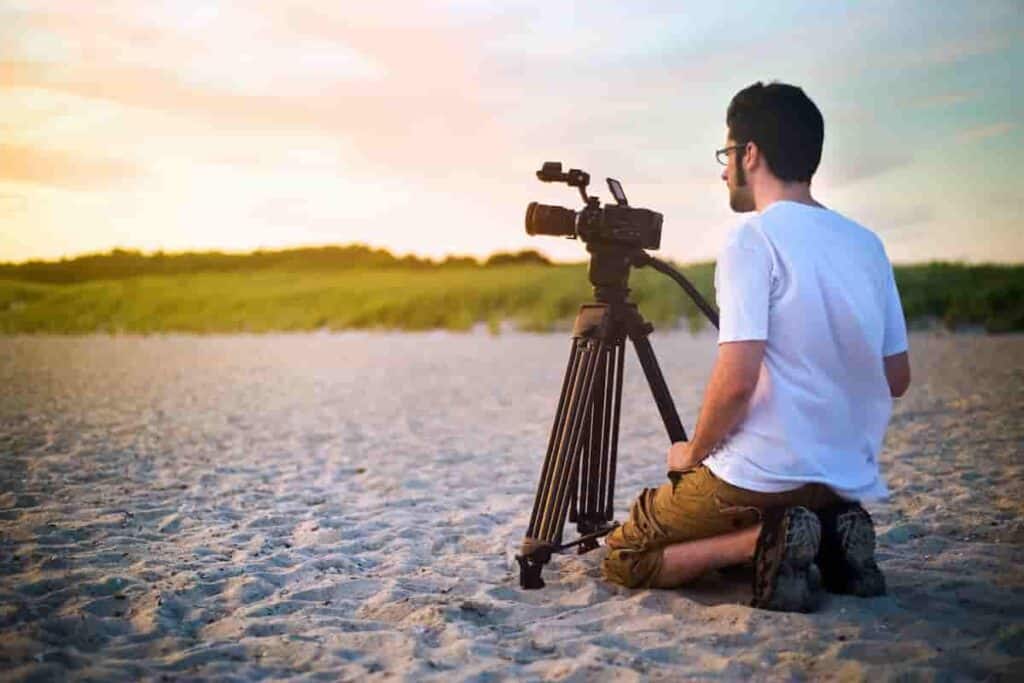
(401, 89)
(991, 130)
(898, 219)
(957, 50)
(24, 164)
(894, 220)
(856, 165)
(11, 204)
(943, 99)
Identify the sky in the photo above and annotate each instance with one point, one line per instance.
(418, 126)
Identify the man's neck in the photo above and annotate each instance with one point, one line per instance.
(770, 192)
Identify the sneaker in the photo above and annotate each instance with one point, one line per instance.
(785, 576)
(847, 555)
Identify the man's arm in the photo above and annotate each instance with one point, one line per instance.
(732, 383)
(743, 283)
(897, 373)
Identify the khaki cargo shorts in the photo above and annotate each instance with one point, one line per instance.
(697, 506)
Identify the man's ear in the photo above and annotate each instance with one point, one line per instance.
(752, 159)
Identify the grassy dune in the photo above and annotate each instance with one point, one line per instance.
(986, 296)
(534, 297)
(277, 291)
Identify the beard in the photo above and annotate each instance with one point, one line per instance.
(741, 199)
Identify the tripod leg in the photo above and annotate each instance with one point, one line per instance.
(582, 445)
(592, 457)
(613, 409)
(556, 472)
(595, 447)
(555, 506)
(662, 397)
(581, 473)
(560, 472)
(568, 381)
(582, 486)
(536, 551)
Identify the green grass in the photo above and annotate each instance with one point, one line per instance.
(987, 296)
(534, 297)
(288, 295)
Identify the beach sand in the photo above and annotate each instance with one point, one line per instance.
(345, 507)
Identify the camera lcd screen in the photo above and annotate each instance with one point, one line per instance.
(616, 188)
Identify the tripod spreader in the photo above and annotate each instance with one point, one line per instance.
(578, 476)
(533, 559)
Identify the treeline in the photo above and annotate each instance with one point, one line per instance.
(124, 263)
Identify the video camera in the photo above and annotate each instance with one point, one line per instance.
(613, 224)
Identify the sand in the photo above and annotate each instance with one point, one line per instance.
(344, 507)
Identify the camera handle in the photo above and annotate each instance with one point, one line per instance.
(641, 258)
(551, 172)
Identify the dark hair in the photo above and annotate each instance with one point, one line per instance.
(785, 124)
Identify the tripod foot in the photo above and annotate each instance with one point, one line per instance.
(530, 565)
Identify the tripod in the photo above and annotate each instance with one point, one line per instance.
(578, 476)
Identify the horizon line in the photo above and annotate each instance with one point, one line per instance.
(400, 255)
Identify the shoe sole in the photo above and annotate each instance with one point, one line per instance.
(856, 536)
(786, 578)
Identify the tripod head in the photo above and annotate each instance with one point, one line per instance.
(609, 274)
(609, 270)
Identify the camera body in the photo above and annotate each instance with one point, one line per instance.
(611, 224)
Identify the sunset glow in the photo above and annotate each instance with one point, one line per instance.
(417, 126)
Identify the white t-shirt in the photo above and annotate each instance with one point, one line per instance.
(819, 289)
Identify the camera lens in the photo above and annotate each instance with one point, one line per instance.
(545, 219)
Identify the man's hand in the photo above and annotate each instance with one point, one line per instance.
(681, 457)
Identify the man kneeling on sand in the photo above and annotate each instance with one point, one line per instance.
(812, 346)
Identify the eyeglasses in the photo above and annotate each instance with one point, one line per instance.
(722, 155)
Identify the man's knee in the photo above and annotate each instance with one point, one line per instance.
(631, 568)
